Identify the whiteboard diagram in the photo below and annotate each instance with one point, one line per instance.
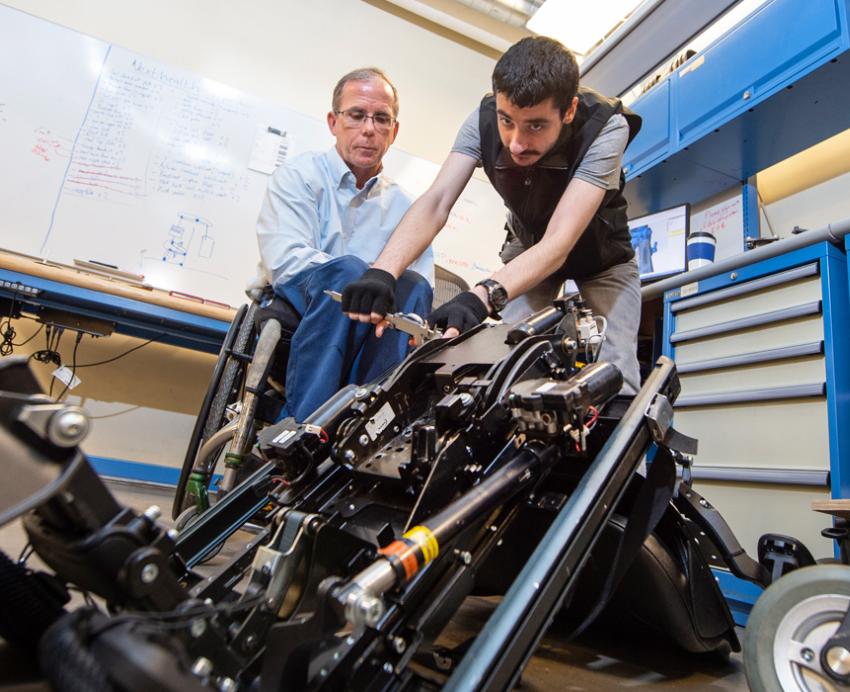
(181, 240)
(147, 167)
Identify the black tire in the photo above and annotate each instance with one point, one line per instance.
(211, 415)
(805, 606)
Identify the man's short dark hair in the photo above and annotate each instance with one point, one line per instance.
(535, 69)
(363, 74)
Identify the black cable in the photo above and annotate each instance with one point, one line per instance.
(73, 366)
(174, 619)
(25, 553)
(37, 332)
(6, 347)
(121, 355)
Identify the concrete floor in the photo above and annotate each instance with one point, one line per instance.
(595, 662)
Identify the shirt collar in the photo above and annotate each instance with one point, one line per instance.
(340, 171)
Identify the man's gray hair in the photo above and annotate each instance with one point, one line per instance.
(364, 74)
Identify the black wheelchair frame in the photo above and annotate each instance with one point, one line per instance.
(228, 394)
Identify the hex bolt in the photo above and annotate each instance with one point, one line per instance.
(363, 440)
(149, 573)
(465, 557)
(227, 685)
(370, 609)
(153, 512)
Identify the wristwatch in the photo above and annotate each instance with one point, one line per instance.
(497, 296)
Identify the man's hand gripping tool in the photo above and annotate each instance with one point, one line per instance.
(409, 323)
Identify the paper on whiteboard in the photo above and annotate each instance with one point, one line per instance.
(269, 150)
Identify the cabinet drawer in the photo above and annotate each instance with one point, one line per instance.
(748, 305)
(785, 434)
(753, 509)
(778, 335)
(757, 376)
(732, 77)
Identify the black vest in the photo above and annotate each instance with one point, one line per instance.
(531, 193)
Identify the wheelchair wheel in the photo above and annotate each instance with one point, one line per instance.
(223, 390)
(789, 626)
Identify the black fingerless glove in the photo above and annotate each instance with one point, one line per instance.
(462, 312)
(372, 292)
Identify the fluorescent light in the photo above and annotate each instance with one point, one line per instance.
(579, 24)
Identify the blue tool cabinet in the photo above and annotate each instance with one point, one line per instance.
(770, 87)
(761, 352)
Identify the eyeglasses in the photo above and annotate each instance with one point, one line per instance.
(355, 117)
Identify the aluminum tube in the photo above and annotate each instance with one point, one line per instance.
(833, 232)
(216, 440)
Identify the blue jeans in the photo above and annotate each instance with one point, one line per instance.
(329, 350)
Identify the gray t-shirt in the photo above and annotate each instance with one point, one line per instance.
(600, 165)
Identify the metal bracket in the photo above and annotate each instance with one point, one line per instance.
(659, 418)
(60, 424)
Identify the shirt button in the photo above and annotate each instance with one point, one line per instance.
(527, 182)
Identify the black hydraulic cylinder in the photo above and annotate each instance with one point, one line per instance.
(502, 648)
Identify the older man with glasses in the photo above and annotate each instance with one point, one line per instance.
(326, 217)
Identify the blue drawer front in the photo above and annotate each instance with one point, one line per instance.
(653, 140)
(764, 52)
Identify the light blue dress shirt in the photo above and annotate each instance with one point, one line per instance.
(314, 212)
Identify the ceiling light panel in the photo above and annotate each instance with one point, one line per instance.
(578, 24)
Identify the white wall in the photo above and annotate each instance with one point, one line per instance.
(294, 51)
(811, 209)
(280, 50)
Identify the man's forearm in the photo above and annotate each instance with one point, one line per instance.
(572, 215)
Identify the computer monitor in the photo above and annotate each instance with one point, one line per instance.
(659, 241)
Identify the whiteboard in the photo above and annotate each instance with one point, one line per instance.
(112, 156)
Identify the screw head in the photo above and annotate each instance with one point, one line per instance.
(198, 627)
(227, 685)
(807, 654)
(202, 667)
(388, 668)
(149, 573)
(363, 440)
(399, 644)
(348, 455)
(68, 427)
(371, 609)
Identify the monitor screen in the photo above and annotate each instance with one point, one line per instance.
(659, 242)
